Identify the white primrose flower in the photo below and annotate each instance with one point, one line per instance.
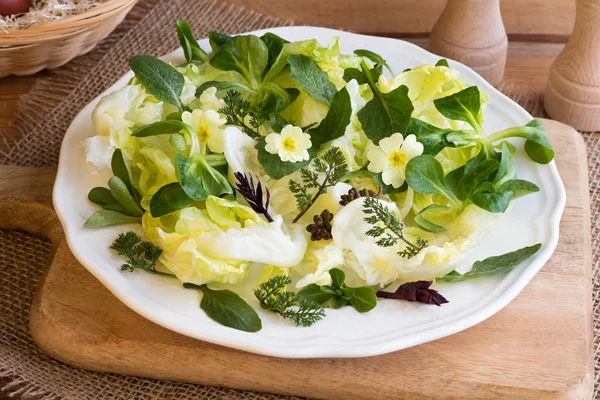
(392, 155)
(291, 144)
(210, 101)
(208, 126)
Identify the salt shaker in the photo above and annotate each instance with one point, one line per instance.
(472, 32)
(573, 91)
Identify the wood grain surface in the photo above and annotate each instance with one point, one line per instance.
(537, 20)
(539, 347)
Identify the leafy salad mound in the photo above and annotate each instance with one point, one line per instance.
(319, 179)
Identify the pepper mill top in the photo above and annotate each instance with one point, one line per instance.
(573, 91)
(472, 32)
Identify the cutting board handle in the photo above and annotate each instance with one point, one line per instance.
(30, 216)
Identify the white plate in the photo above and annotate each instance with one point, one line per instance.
(392, 325)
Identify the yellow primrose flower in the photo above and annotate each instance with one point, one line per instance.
(210, 101)
(208, 126)
(291, 144)
(392, 155)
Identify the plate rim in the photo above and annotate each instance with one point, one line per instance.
(344, 349)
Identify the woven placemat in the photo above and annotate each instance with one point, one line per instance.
(44, 115)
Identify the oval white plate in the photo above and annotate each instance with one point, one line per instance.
(393, 325)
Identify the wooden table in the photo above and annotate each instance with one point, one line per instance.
(537, 30)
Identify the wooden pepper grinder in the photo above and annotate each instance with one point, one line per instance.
(472, 32)
(573, 91)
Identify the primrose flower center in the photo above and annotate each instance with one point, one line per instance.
(397, 159)
(203, 135)
(288, 144)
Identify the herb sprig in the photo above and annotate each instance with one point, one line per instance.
(141, 255)
(392, 230)
(241, 113)
(254, 194)
(332, 164)
(273, 297)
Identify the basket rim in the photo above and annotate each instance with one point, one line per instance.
(69, 24)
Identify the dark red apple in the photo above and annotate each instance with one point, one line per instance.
(10, 7)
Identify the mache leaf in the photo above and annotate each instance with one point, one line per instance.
(462, 106)
(493, 265)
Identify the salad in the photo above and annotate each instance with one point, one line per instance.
(289, 174)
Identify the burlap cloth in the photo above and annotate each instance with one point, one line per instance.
(44, 116)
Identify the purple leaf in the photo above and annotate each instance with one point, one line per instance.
(253, 195)
(415, 291)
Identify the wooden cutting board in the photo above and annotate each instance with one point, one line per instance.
(538, 347)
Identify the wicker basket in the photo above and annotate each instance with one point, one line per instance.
(51, 45)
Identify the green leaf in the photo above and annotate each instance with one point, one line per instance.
(360, 76)
(442, 63)
(338, 302)
(228, 309)
(311, 78)
(101, 196)
(159, 78)
(213, 181)
(277, 98)
(495, 202)
(518, 187)
(363, 299)
(120, 168)
(376, 58)
(429, 226)
(434, 139)
(178, 141)
(120, 192)
(335, 122)
(222, 86)
(115, 207)
(453, 178)
(507, 168)
(493, 265)
(161, 128)
(217, 40)
(425, 175)
(386, 113)
(191, 48)
(187, 173)
(104, 218)
(461, 106)
(277, 122)
(273, 165)
(482, 172)
(337, 278)
(274, 45)
(314, 293)
(247, 55)
(355, 73)
(538, 146)
(174, 115)
(253, 53)
(226, 59)
(168, 199)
